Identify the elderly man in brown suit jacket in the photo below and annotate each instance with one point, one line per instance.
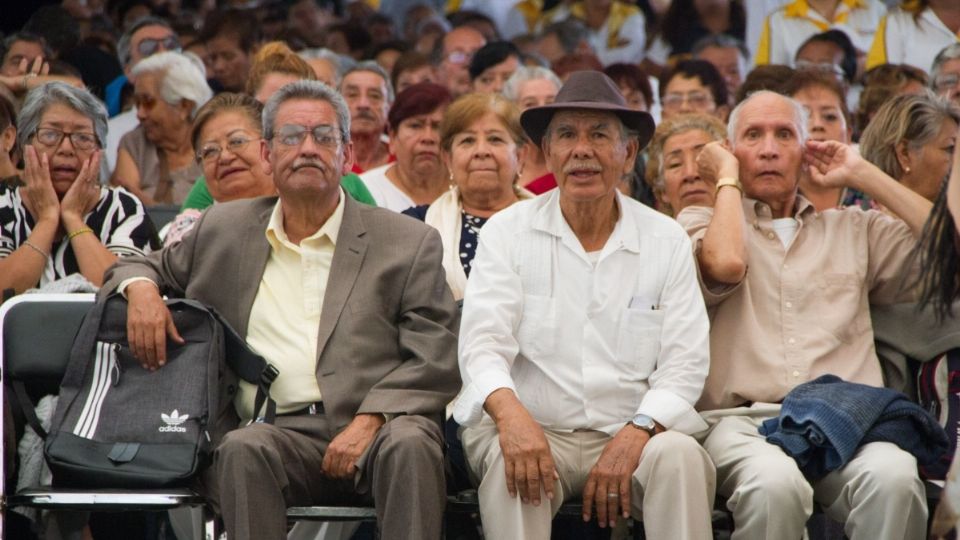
(349, 302)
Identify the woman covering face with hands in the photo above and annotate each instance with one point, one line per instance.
(59, 220)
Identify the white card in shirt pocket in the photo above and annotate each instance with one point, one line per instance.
(643, 303)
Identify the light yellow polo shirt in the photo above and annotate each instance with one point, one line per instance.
(285, 317)
(785, 30)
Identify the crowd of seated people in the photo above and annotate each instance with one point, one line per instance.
(553, 251)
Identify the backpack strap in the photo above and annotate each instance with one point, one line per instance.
(25, 406)
(251, 367)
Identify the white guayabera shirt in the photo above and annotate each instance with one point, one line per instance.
(584, 344)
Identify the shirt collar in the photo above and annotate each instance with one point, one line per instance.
(277, 236)
(800, 8)
(758, 209)
(549, 219)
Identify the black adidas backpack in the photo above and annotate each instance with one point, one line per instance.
(118, 425)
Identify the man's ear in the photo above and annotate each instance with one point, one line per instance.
(391, 141)
(266, 163)
(348, 158)
(633, 147)
(545, 146)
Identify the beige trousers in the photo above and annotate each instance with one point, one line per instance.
(673, 488)
(877, 495)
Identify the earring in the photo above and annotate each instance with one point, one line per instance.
(906, 170)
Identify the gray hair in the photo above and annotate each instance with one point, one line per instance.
(78, 99)
(950, 52)
(911, 119)
(123, 45)
(181, 78)
(722, 41)
(570, 33)
(341, 63)
(511, 88)
(800, 116)
(373, 67)
(304, 89)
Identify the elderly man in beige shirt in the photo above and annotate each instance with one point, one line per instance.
(787, 289)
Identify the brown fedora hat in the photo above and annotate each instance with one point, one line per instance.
(590, 90)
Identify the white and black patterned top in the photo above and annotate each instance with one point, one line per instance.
(470, 226)
(469, 236)
(119, 221)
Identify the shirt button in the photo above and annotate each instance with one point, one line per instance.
(791, 341)
(789, 305)
(786, 266)
(770, 235)
(796, 373)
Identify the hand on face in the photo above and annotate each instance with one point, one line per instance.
(831, 163)
(84, 193)
(38, 194)
(716, 161)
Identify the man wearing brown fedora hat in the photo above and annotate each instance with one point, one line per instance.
(583, 344)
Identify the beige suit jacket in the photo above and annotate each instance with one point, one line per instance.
(387, 335)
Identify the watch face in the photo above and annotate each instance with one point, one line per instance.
(643, 421)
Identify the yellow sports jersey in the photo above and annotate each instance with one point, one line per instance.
(906, 38)
(787, 28)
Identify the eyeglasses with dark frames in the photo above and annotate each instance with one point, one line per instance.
(52, 137)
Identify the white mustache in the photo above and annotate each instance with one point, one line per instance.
(584, 166)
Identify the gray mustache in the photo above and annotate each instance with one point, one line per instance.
(582, 166)
(315, 163)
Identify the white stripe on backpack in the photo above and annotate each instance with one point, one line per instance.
(104, 361)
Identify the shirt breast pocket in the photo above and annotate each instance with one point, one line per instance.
(638, 342)
(536, 333)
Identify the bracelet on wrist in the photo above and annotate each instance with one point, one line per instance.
(32, 246)
(729, 181)
(78, 232)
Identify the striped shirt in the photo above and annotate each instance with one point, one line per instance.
(119, 221)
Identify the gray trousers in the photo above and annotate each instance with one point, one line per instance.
(260, 470)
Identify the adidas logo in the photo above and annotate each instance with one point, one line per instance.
(173, 421)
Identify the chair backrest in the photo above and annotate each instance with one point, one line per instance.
(161, 214)
(37, 334)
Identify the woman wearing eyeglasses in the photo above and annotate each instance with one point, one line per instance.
(693, 86)
(156, 160)
(59, 220)
(226, 137)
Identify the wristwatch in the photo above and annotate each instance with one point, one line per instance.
(729, 181)
(644, 423)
